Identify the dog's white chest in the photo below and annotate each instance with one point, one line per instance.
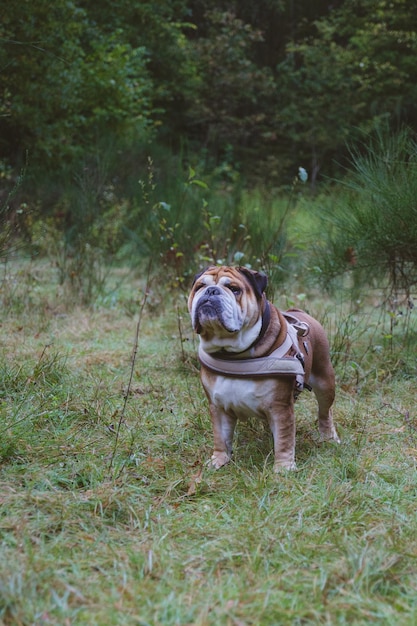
(244, 398)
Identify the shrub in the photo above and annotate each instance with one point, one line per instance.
(372, 231)
(185, 225)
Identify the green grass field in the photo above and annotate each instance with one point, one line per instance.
(109, 516)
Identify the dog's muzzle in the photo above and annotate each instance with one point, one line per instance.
(214, 306)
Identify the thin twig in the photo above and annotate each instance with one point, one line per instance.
(132, 366)
(278, 232)
(179, 318)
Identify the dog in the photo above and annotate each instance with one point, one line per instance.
(255, 360)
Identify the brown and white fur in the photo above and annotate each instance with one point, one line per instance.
(227, 307)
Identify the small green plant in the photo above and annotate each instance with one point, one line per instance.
(372, 228)
(84, 237)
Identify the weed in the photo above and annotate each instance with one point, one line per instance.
(371, 228)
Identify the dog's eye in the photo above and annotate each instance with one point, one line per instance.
(234, 289)
(199, 286)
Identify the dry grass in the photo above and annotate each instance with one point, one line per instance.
(139, 532)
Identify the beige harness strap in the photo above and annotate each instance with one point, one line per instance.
(275, 364)
(263, 366)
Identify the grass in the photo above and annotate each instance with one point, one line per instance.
(136, 531)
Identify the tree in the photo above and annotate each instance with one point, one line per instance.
(63, 84)
(162, 30)
(356, 68)
(272, 84)
(231, 99)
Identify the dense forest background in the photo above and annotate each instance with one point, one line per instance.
(100, 102)
(262, 87)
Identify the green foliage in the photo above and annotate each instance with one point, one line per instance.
(345, 72)
(65, 84)
(159, 30)
(243, 92)
(265, 87)
(185, 225)
(374, 224)
(231, 100)
(314, 110)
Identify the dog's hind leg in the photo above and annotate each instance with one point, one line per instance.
(324, 390)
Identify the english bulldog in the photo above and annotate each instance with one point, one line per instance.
(256, 359)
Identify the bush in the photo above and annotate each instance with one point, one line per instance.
(372, 231)
(185, 224)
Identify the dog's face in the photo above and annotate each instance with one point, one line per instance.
(225, 307)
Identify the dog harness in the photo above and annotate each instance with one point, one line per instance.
(286, 360)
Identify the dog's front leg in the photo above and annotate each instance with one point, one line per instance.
(223, 431)
(282, 424)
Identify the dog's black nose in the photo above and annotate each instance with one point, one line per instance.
(212, 291)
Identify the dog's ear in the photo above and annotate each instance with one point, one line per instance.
(258, 280)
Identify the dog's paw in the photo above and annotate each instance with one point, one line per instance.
(284, 466)
(329, 435)
(218, 459)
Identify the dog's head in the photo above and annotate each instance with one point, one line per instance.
(225, 305)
